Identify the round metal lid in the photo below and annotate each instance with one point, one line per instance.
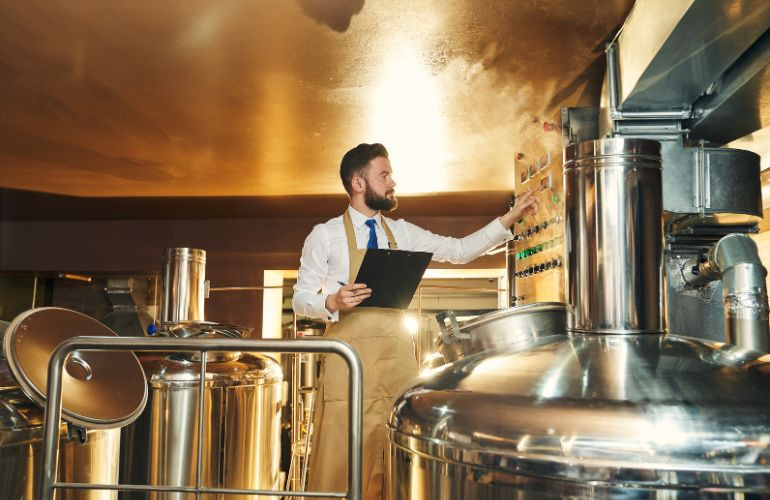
(100, 389)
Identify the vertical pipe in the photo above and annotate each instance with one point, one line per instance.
(510, 273)
(34, 293)
(201, 405)
(355, 419)
(612, 78)
(297, 420)
(418, 338)
(306, 450)
(510, 266)
(51, 424)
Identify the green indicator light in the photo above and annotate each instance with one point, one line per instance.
(555, 198)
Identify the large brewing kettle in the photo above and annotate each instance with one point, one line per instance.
(102, 391)
(586, 415)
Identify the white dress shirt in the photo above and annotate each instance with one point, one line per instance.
(325, 261)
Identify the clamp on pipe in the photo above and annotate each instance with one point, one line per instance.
(735, 260)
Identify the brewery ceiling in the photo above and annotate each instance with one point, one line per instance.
(261, 98)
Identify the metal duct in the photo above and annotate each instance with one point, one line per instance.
(736, 261)
(671, 52)
(738, 104)
(130, 315)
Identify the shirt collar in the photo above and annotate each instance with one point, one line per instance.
(360, 219)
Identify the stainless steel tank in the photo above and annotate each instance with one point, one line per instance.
(21, 452)
(592, 414)
(614, 236)
(184, 284)
(102, 391)
(637, 416)
(241, 426)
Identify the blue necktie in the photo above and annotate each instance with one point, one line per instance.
(372, 234)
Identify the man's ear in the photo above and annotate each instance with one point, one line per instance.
(358, 184)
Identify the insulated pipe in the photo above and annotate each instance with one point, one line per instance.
(736, 261)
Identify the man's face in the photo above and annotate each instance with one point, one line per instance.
(380, 193)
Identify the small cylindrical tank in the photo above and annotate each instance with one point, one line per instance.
(614, 240)
(21, 452)
(184, 281)
(241, 426)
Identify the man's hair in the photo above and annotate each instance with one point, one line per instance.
(355, 161)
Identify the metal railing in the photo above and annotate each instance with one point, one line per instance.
(52, 421)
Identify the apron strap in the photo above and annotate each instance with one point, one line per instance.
(351, 234)
(391, 239)
(355, 254)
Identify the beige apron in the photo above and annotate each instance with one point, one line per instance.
(380, 338)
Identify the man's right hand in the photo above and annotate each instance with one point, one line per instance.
(347, 297)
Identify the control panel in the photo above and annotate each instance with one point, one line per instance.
(539, 238)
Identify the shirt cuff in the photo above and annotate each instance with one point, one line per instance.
(331, 317)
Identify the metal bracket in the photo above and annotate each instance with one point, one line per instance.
(451, 334)
(76, 433)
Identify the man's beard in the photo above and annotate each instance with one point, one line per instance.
(377, 202)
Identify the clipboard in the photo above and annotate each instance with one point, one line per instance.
(393, 276)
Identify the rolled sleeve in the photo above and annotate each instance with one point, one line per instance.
(308, 299)
(458, 250)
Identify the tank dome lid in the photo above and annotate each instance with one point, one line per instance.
(645, 409)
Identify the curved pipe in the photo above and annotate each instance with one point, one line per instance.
(735, 259)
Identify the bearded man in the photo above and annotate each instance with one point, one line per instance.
(331, 256)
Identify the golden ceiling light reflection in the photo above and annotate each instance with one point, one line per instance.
(256, 99)
(407, 117)
(276, 130)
